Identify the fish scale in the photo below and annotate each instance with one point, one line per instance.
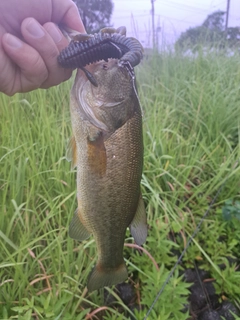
(107, 149)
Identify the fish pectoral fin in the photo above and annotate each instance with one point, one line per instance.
(105, 277)
(96, 155)
(71, 153)
(77, 230)
(93, 133)
(138, 226)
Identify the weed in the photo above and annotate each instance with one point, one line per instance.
(191, 126)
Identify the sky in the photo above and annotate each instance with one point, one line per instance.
(172, 17)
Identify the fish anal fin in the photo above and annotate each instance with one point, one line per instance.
(97, 158)
(105, 277)
(77, 230)
(71, 153)
(138, 226)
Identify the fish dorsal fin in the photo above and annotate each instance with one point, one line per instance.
(138, 226)
(71, 153)
(77, 230)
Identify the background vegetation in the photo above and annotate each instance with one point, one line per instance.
(212, 33)
(191, 135)
(95, 14)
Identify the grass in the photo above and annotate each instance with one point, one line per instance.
(191, 135)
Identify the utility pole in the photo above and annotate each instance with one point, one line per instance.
(153, 26)
(227, 14)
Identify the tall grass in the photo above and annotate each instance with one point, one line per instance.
(191, 135)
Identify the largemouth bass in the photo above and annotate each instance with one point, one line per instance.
(107, 149)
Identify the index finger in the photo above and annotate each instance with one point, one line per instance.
(66, 12)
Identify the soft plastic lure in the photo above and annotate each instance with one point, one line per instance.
(85, 49)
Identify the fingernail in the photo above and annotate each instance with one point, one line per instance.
(55, 33)
(13, 41)
(34, 28)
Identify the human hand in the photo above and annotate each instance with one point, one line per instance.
(30, 42)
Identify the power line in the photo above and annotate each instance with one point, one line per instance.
(148, 13)
(180, 20)
(156, 15)
(182, 5)
(133, 16)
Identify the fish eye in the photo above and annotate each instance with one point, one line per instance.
(104, 66)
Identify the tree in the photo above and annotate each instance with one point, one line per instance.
(95, 14)
(210, 34)
(233, 36)
(215, 21)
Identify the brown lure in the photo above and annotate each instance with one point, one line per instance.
(85, 49)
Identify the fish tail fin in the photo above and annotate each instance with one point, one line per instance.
(101, 277)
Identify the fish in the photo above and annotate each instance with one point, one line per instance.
(107, 150)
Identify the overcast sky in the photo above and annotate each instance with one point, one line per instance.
(172, 17)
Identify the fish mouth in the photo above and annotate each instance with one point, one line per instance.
(86, 49)
(108, 43)
(103, 105)
(122, 64)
